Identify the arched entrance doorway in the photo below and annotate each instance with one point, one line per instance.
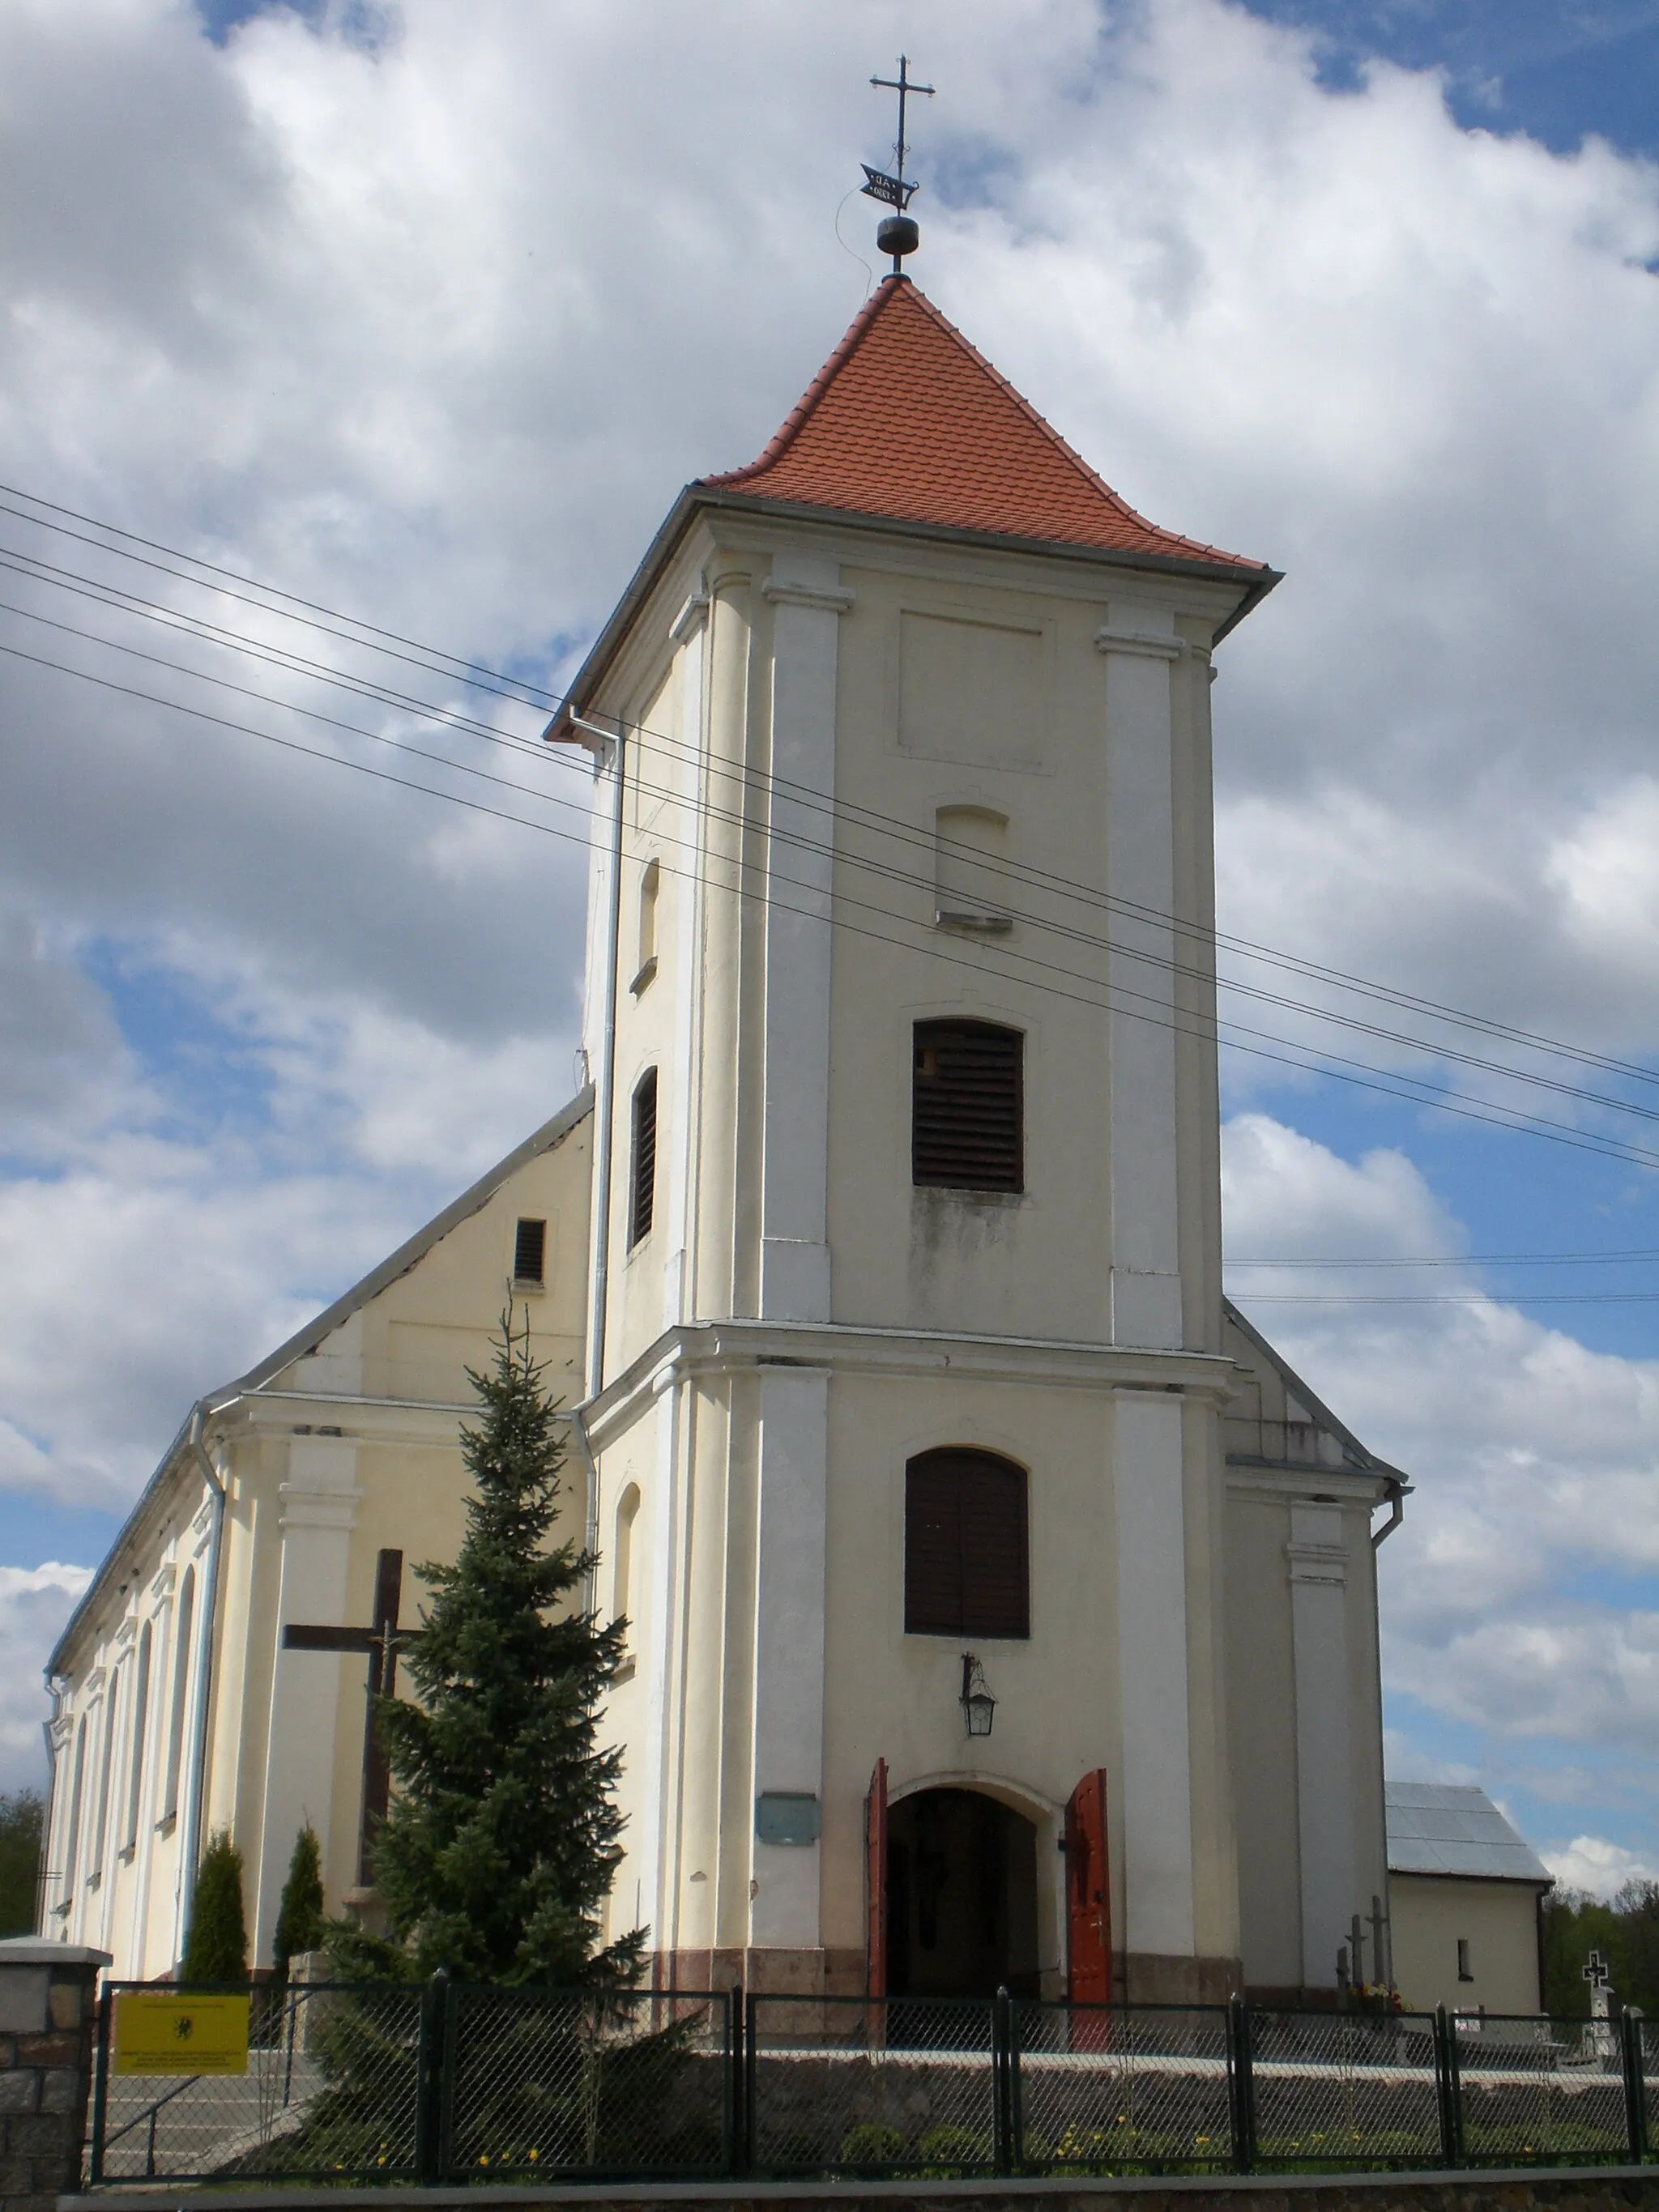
(962, 1905)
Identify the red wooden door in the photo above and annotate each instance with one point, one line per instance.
(1088, 1894)
(875, 1884)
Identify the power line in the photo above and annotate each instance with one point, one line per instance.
(1419, 1096)
(886, 871)
(1330, 1063)
(522, 694)
(541, 699)
(1405, 1298)
(1473, 1260)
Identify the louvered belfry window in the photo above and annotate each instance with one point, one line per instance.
(967, 1106)
(643, 1190)
(529, 1251)
(966, 1567)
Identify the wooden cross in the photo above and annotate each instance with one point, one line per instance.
(381, 1641)
(1595, 1971)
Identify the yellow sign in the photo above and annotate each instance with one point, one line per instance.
(157, 2034)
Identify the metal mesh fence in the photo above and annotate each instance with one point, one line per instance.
(397, 2084)
(547, 2082)
(1111, 2090)
(1540, 2089)
(332, 2090)
(1344, 2088)
(902, 2085)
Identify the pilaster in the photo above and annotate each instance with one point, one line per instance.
(789, 1647)
(1155, 1781)
(318, 1511)
(804, 592)
(1141, 645)
(1324, 1762)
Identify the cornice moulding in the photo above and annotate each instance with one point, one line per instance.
(1149, 647)
(827, 1348)
(691, 617)
(778, 593)
(1304, 1485)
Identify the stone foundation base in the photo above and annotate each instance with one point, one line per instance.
(1152, 1977)
(763, 1973)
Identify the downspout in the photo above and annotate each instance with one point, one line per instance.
(591, 1532)
(190, 1857)
(606, 1101)
(1397, 1490)
(603, 1116)
(1396, 1514)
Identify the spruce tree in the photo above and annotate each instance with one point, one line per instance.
(215, 1949)
(299, 1915)
(500, 1843)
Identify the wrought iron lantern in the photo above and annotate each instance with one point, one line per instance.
(978, 1706)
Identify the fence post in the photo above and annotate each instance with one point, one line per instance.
(735, 2083)
(1016, 2097)
(432, 2069)
(750, 2081)
(1001, 2117)
(1241, 2085)
(1447, 2089)
(1636, 2100)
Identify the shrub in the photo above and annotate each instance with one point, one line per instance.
(871, 2143)
(299, 1915)
(216, 1949)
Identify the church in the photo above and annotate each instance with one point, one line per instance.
(1003, 1610)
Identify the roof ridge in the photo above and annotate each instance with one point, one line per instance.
(1036, 416)
(807, 406)
(875, 473)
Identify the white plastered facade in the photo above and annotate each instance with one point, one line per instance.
(171, 1693)
(802, 699)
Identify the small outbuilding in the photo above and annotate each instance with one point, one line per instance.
(1466, 1898)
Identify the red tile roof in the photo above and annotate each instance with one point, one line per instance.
(906, 419)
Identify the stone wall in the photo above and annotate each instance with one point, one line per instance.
(48, 2017)
(1607, 2189)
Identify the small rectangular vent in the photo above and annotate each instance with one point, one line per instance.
(967, 1106)
(530, 1252)
(643, 1192)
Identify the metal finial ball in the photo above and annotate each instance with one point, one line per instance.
(898, 234)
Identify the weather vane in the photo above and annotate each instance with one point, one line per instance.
(896, 234)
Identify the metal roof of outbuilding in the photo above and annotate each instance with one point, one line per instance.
(1452, 1828)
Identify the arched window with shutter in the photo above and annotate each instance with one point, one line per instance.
(136, 1778)
(181, 1642)
(966, 1546)
(967, 1106)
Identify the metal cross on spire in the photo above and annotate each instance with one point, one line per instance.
(897, 233)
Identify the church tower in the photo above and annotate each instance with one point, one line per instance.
(908, 1365)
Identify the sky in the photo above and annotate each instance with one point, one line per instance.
(424, 314)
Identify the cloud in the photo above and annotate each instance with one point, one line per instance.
(1534, 1458)
(34, 1603)
(1591, 1863)
(403, 323)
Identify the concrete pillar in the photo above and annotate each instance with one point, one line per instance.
(48, 2015)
